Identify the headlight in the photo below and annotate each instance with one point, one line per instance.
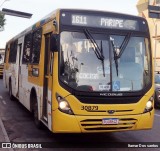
(63, 105)
(149, 105)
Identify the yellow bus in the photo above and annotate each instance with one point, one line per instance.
(2, 52)
(83, 71)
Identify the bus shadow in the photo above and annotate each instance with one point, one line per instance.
(87, 140)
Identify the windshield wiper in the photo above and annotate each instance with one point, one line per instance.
(124, 44)
(97, 50)
(102, 60)
(118, 51)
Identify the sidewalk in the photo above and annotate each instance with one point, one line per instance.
(3, 136)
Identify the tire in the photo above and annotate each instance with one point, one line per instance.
(157, 105)
(37, 122)
(156, 102)
(10, 91)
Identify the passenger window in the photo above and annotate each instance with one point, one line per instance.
(37, 35)
(13, 52)
(27, 48)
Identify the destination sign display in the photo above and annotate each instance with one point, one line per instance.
(105, 22)
(99, 21)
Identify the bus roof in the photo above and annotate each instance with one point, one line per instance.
(54, 13)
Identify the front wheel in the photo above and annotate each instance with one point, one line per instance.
(37, 122)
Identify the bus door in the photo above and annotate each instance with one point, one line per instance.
(18, 67)
(47, 83)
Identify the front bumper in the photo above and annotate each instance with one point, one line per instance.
(64, 123)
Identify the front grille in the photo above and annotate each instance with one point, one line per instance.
(96, 124)
(109, 100)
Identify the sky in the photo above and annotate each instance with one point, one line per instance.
(40, 8)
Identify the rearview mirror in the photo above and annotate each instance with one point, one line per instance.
(54, 43)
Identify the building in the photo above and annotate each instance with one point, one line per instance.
(154, 26)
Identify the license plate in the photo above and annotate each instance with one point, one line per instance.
(110, 121)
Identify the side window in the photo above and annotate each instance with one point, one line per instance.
(13, 52)
(27, 48)
(37, 35)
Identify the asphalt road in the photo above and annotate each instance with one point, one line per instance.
(19, 125)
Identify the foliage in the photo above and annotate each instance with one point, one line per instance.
(2, 19)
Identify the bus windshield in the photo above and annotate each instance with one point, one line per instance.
(98, 63)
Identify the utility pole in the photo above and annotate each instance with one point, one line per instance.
(10, 12)
(16, 13)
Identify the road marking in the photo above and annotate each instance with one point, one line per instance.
(157, 114)
(4, 102)
(1, 97)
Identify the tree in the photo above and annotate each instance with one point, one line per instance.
(2, 20)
